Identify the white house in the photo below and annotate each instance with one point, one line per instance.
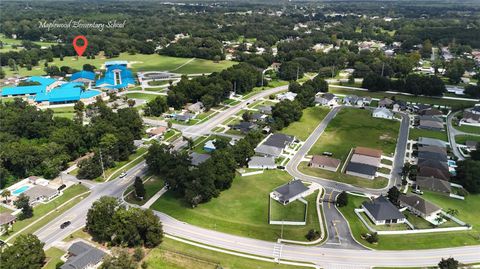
(382, 113)
(257, 162)
(286, 96)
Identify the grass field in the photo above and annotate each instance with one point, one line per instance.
(241, 210)
(152, 186)
(356, 127)
(468, 129)
(311, 117)
(415, 133)
(406, 98)
(145, 96)
(294, 211)
(64, 112)
(461, 139)
(467, 212)
(53, 257)
(376, 183)
(43, 209)
(172, 254)
(140, 62)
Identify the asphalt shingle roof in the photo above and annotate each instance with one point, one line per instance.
(290, 190)
(382, 209)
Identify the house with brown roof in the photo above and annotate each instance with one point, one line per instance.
(373, 161)
(368, 152)
(433, 184)
(419, 206)
(156, 131)
(426, 171)
(324, 162)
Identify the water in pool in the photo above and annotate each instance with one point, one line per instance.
(20, 190)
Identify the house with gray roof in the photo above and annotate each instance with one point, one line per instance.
(433, 184)
(425, 141)
(39, 193)
(361, 170)
(431, 123)
(279, 140)
(385, 102)
(327, 99)
(419, 206)
(290, 192)
(382, 113)
(266, 150)
(196, 107)
(82, 255)
(199, 158)
(265, 110)
(428, 155)
(381, 211)
(257, 162)
(6, 220)
(245, 126)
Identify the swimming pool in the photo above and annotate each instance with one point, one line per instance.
(20, 190)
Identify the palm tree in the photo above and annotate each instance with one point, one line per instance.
(5, 194)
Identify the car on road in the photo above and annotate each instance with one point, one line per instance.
(65, 224)
(123, 174)
(417, 191)
(326, 153)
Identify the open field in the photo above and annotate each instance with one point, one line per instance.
(461, 139)
(64, 112)
(53, 207)
(467, 212)
(294, 211)
(407, 98)
(172, 254)
(311, 117)
(241, 210)
(141, 62)
(145, 96)
(356, 127)
(376, 183)
(415, 133)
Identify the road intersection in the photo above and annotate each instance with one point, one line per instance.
(351, 254)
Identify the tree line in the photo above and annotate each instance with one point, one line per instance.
(414, 84)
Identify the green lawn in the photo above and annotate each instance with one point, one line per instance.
(356, 127)
(65, 112)
(53, 257)
(468, 129)
(376, 183)
(172, 254)
(406, 98)
(310, 119)
(140, 62)
(241, 210)
(114, 172)
(43, 209)
(158, 82)
(152, 186)
(144, 96)
(467, 212)
(294, 211)
(4, 209)
(461, 139)
(415, 133)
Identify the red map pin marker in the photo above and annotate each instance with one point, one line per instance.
(80, 49)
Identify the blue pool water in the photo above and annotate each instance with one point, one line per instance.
(20, 190)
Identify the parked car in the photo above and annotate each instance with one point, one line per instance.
(123, 174)
(326, 153)
(417, 191)
(62, 187)
(65, 224)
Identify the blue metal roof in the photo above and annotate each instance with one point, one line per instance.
(109, 63)
(66, 92)
(108, 81)
(33, 89)
(83, 75)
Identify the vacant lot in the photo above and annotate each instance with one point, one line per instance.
(310, 119)
(241, 210)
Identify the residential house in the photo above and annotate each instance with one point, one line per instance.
(257, 162)
(245, 126)
(327, 99)
(368, 152)
(196, 107)
(82, 256)
(419, 206)
(290, 192)
(364, 159)
(430, 112)
(6, 220)
(157, 131)
(265, 150)
(199, 158)
(274, 145)
(381, 211)
(186, 117)
(434, 149)
(361, 170)
(40, 193)
(433, 184)
(476, 109)
(425, 141)
(470, 117)
(286, 96)
(426, 171)
(471, 145)
(385, 102)
(431, 123)
(258, 117)
(382, 113)
(265, 110)
(324, 162)
(209, 146)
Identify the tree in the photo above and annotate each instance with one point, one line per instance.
(23, 202)
(131, 102)
(120, 260)
(156, 107)
(426, 50)
(393, 195)
(467, 175)
(139, 188)
(312, 235)
(372, 238)
(455, 70)
(5, 194)
(449, 263)
(99, 218)
(138, 254)
(452, 212)
(25, 252)
(342, 199)
(291, 71)
(169, 124)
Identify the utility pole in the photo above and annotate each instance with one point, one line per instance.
(101, 163)
(383, 67)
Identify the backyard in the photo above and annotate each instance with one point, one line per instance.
(241, 210)
(310, 119)
(294, 211)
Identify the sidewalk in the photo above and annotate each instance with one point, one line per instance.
(154, 198)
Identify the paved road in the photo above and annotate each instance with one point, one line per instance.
(452, 132)
(339, 235)
(292, 166)
(321, 256)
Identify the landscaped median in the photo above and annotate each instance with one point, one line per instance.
(467, 212)
(44, 213)
(242, 209)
